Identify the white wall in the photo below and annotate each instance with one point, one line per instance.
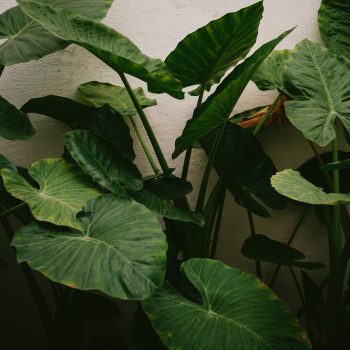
(156, 27)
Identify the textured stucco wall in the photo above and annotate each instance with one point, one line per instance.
(156, 27)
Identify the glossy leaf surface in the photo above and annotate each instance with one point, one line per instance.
(292, 185)
(121, 250)
(98, 159)
(28, 40)
(63, 190)
(317, 79)
(205, 55)
(216, 110)
(99, 94)
(111, 47)
(237, 312)
(262, 248)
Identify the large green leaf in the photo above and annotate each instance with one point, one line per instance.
(98, 158)
(121, 250)
(104, 121)
(204, 56)
(262, 248)
(28, 40)
(63, 190)
(6, 163)
(237, 312)
(292, 185)
(165, 207)
(111, 47)
(217, 109)
(317, 79)
(334, 21)
(99, 94)
(269, 76)
(245, 168)
(14, 124)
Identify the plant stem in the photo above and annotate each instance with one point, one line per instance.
(217, 228)
(11, 210)
(267, 115)
(253, 233)
(160, 156)
(144, 146)
(188, 154)
(290, 241)
(207, 171)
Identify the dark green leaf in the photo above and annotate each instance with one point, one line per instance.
(165, 207)
(334, 21)
(6, 163)
(63, 190)
(97, 158)
(204, 56)
(28, 40)
(317, 79)
(262, 248)
(237, 118)
(111, 47)
(269, 76)
(343, 164)
(216, 110)
(14, 124)
(99, 94)
(121, 250)
(104, 121)
(237, 312)
(244, 167)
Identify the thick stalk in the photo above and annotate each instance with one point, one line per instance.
(267, 115)
(207, 171)
(188, 154)
(144, 146)
(160, 156)
(253, 233)
(217, 228)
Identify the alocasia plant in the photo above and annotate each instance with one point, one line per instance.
(95, 225)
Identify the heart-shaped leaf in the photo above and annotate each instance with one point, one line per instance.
(14, 124)
(217, 109)
(262, 248)
(104, 121)
(237, 312)
(165, 207)
(245, 168)
(63, 190)
(99, 94)
(317, 79)
(120, 251)
(291, 184)
(28, 40)
(111, 47)
(205, 55)
(334, 21)
(270, 75)
(97, 158)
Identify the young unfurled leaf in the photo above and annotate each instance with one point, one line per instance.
(108, 45)
(121, 250)
(205, 55)
(237, 312)
(28, 40)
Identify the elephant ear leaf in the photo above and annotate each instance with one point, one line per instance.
(63, 190)
(269, 76)
(28, 40)
(205, 55)
(237, 312)
(291, 184)
(113, 48)
(99, 94)
(334, 22)
(14, 124)
(121, 249)
(319, 98)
